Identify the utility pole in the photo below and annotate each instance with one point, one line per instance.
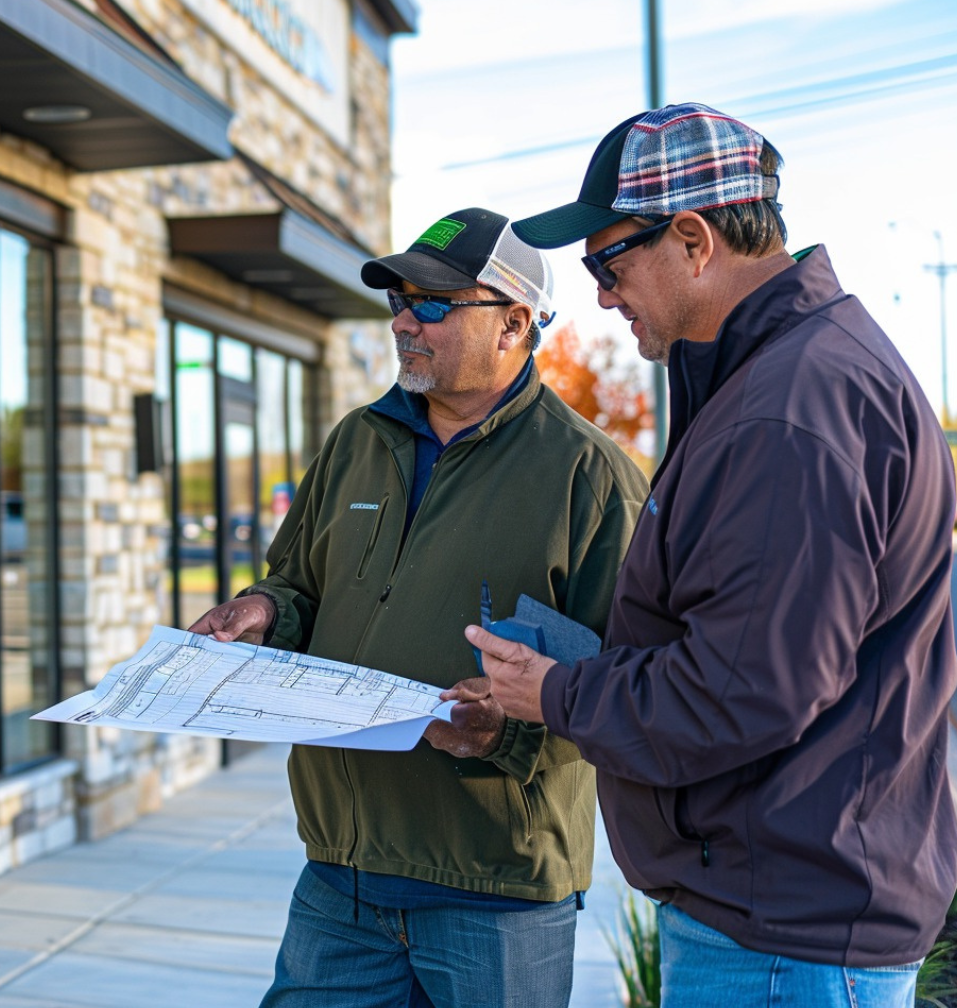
(941, 269)
(653, 50)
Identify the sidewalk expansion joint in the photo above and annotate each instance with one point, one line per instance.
(274, 811)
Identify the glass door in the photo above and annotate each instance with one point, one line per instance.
(241, 554)
(240, 561)
(195, 587)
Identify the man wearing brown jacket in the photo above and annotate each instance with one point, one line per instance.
(769, 719)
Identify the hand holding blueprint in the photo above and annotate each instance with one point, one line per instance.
(189, 683)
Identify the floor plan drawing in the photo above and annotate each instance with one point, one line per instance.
(184, 682)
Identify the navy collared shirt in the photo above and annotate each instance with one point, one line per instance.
(412, 409)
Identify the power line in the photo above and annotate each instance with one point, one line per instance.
(850, 89)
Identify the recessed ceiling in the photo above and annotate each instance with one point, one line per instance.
(142, 111)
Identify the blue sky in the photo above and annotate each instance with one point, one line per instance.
(501, 104)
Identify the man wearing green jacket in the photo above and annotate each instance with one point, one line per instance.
(448, 875)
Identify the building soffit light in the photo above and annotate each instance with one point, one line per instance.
(277, 276)
(56, 115)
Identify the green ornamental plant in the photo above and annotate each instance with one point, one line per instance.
(634, 943)
(937, 978)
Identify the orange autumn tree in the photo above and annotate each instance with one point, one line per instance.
(586, 376)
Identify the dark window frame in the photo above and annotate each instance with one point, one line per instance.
(45, 215)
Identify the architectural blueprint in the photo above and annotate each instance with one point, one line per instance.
(184, 682)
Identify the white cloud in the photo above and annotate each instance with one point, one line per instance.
(698, 17)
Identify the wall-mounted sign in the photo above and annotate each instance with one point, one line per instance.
(301, 47)
(290, 36)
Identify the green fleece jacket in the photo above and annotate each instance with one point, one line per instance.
(536, 501)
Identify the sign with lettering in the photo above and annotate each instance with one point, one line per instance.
(300, 47)
(290, 36)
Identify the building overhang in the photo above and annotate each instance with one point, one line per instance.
(141, 110)
(286, 254)
(400, 16)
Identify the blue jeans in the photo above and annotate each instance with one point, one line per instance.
(702, 968)
(429, 957)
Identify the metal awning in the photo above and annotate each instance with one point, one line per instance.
(142, 110)
(287, 254)
(399, 15)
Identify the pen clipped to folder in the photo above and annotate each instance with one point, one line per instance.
(539, 627)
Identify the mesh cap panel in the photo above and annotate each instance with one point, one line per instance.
(521, 273)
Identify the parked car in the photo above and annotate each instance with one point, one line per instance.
(13, 527)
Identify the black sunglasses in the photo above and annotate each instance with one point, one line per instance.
(595, 263)
(431, 307)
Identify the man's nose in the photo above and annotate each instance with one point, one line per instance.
(608, 298)
(405, 322)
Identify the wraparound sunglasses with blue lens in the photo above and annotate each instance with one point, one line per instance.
(431, 307)
(595, 263)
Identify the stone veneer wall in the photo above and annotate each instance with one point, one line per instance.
(110, 275)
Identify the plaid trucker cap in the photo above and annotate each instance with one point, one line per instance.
(680, 157)
(466, 248)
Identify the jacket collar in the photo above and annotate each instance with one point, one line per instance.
(696, 371)
(411, 410)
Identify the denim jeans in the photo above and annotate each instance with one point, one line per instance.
(702, 968)
(429, 957)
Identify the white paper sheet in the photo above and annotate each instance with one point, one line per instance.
(184, 682)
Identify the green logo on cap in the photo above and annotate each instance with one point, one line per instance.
(441, 233)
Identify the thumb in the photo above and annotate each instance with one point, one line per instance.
(498, 647)
(227, 623)
(472, 689)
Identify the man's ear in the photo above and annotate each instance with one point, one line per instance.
(516, 321)
(697, 238)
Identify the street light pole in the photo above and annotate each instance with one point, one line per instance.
(653, 47)
(941, 269)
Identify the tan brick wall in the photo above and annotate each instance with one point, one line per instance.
(37, 813)
(110, 275)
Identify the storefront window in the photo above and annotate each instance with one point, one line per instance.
(238, 451)
(301, 448)
(271, 419)
(27, 629)
(164, 392)
(235, 359)
(195, 474)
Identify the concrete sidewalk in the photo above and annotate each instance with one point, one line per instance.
(187, 906)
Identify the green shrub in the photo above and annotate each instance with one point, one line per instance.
(937, 978)
(634, 943)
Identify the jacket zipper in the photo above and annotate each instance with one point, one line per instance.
(355, 837)
(386, 591)
(685, 824)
